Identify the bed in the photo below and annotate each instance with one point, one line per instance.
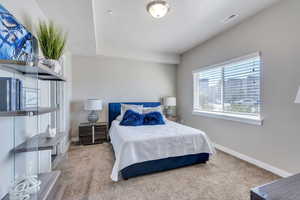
(148, 149)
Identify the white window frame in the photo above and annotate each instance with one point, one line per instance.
(249, 119)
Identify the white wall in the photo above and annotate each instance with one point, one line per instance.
(67, 90)
(115, 80)
(28, 13)
(275, 32)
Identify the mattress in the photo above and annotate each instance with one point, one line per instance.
(145, 143)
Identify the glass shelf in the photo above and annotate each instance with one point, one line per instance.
(48, 182)
(30, 69)
(39, 142)
(28, 112)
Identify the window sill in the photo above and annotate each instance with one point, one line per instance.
(232, 117)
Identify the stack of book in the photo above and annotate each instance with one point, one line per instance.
(11, 94)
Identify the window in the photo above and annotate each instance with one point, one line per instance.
(230, 90)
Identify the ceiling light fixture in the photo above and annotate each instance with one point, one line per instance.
(158, 8)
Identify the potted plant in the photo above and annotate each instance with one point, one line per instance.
(52, 43)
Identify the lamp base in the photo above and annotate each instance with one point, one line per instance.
(171, 111)
(93, 117)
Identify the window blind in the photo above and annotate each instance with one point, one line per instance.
(232, 87)
(242, 87)
(210, 89)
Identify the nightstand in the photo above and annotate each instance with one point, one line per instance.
(90, 133)
(285, 189)
(172, 118)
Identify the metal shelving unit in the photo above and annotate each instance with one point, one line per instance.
(39, 142)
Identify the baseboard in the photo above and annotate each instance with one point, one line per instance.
(68, 146)
(253, 161)
(75, 139)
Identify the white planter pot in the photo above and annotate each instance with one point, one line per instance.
(53, 65)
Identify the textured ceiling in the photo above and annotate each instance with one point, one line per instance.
(131, 33)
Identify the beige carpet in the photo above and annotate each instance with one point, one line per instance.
(86, 176)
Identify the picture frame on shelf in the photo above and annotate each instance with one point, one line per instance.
(31, 97)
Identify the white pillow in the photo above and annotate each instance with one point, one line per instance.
(119, 118)
(154, 109)
(125, 107)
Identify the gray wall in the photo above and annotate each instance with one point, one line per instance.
(117, 79)
(275, 32)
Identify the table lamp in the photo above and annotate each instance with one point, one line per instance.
(170, 104)
(93, 105)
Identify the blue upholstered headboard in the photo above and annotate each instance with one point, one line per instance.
(114, 109)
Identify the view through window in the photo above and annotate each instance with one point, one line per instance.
(232, 87)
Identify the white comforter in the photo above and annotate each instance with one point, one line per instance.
(143, 143)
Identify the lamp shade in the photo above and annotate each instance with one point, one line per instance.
(297, 100)
(170, 101)
(93, 104)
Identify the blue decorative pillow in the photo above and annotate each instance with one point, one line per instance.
(132, 118)
(153, 118)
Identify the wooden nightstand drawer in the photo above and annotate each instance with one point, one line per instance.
(100, 136)
(85, 140)
(100, 128)
(89, 140)
(89, 133)
(85, 131)
(88, 136)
